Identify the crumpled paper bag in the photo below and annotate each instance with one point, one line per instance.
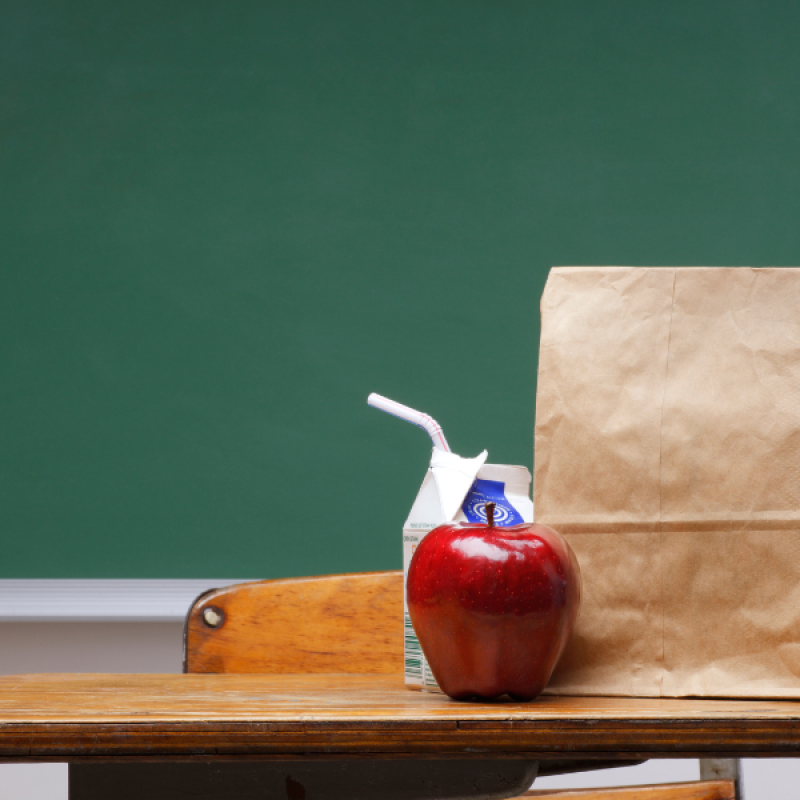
(667, 451)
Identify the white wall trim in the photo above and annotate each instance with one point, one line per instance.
(101, 600)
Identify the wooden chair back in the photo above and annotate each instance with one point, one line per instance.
(332, 623)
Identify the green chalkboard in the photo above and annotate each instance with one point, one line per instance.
(223, 224)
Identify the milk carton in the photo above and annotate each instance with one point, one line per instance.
(457, 489)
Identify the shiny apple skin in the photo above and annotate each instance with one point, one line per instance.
(493, 608)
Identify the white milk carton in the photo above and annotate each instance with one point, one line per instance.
(457, 489)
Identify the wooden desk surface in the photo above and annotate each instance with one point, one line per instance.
(174, 716)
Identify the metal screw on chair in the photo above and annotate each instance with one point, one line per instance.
(213, 616)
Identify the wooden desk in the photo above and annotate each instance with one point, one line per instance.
(120, 726)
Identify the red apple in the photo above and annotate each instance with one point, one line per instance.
(493, 607)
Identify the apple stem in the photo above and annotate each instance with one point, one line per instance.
(490, 514)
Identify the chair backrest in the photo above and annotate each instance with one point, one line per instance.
(332, 623)
(696, 790)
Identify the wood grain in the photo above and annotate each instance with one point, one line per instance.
(698, 790)
(333, 623)
(284, 715)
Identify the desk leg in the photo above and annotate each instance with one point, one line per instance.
(331, 779)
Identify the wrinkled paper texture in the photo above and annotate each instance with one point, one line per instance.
(668, 454)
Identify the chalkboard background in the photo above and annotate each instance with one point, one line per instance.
(224, 224)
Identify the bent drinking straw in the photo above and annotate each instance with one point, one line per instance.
(425, 421)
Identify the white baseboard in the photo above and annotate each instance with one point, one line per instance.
(101, 600)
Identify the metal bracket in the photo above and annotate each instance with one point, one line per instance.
(715, 769)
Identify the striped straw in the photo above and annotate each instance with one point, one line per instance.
(424, 421)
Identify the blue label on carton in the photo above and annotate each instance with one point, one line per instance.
(483, 492)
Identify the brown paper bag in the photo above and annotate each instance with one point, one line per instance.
(668, 453)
